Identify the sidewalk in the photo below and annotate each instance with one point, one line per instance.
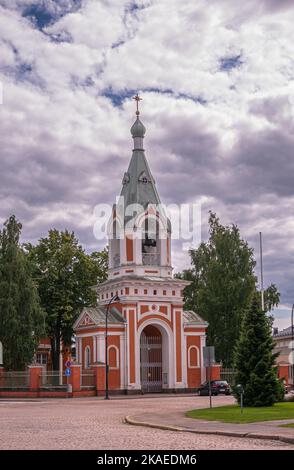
(179, 422)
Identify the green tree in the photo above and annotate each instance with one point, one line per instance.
(21, 316)
(255, 360)
(101, 260)
(223, 282)
(66, 276)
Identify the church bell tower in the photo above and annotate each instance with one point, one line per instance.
(140, 232)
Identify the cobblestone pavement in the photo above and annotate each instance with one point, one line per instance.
(93, 423)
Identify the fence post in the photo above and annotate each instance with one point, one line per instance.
(34, 377)
(1, 375)
(99, 371)
(75, 377)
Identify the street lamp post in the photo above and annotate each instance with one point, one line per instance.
(113, 299)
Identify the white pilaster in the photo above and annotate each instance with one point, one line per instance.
(122, 348)
(101, 347)
(94, 348)
(203, 369)
(123, 250)
(163, 248)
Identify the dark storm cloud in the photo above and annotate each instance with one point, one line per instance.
(216, 85)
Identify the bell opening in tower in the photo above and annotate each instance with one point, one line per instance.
(150, 241)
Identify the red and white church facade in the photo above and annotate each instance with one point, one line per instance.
(153, 344)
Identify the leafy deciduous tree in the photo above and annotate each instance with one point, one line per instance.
(66, 276)
(21, 316)
(223, 281)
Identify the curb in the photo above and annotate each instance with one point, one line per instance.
(275, 437)
(164, 427)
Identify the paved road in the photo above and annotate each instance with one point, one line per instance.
(92, 423)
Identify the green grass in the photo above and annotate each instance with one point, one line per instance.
(232, 413)
(289, 425)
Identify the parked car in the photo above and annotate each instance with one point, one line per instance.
(287, 388)
(217, 387)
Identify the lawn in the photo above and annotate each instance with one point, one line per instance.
(289, 425)
(232, 413)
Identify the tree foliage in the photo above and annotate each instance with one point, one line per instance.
(223, 281)
(21, 316)
(255, 360)
(66, 276)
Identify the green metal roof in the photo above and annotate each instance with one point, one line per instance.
(98, 315)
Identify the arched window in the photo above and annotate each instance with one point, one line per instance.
(193, 357)
(113, 357)
(87, 357)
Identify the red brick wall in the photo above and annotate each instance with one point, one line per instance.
(193, 374)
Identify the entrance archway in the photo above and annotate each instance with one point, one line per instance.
(151, 359)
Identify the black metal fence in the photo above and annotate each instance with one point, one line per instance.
(229, 375)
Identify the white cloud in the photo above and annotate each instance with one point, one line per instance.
(223, 133)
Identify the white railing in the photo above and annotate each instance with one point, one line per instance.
(14, 379)
(52, 379)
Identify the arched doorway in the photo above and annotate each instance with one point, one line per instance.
(151, 359)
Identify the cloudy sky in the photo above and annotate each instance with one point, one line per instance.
(216, 77)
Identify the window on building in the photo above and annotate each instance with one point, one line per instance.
(193, 356)
(174, 292)
(127, 290)
(164, 292)
(42, 358)
(155, 292)
(145, 291)
(87, 357)
(136, 291)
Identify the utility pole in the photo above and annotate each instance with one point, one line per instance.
(261, 272)
(292, 345)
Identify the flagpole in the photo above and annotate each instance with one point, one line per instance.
(261, 272)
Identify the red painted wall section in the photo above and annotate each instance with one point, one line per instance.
(75, 377)
(132, 344)
(99, 371)
(113, 361)
(215, 372)
(129, 248)
(35, 373)
(178, 316)
(283, 373)
(193, 374)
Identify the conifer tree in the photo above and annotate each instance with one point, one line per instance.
(255, 360)
(21, 317)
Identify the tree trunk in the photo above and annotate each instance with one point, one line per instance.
(55, 351)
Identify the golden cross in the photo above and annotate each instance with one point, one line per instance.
(137, 99)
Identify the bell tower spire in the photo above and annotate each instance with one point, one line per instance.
(137, 98)
(145, 232)
(138, 129)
